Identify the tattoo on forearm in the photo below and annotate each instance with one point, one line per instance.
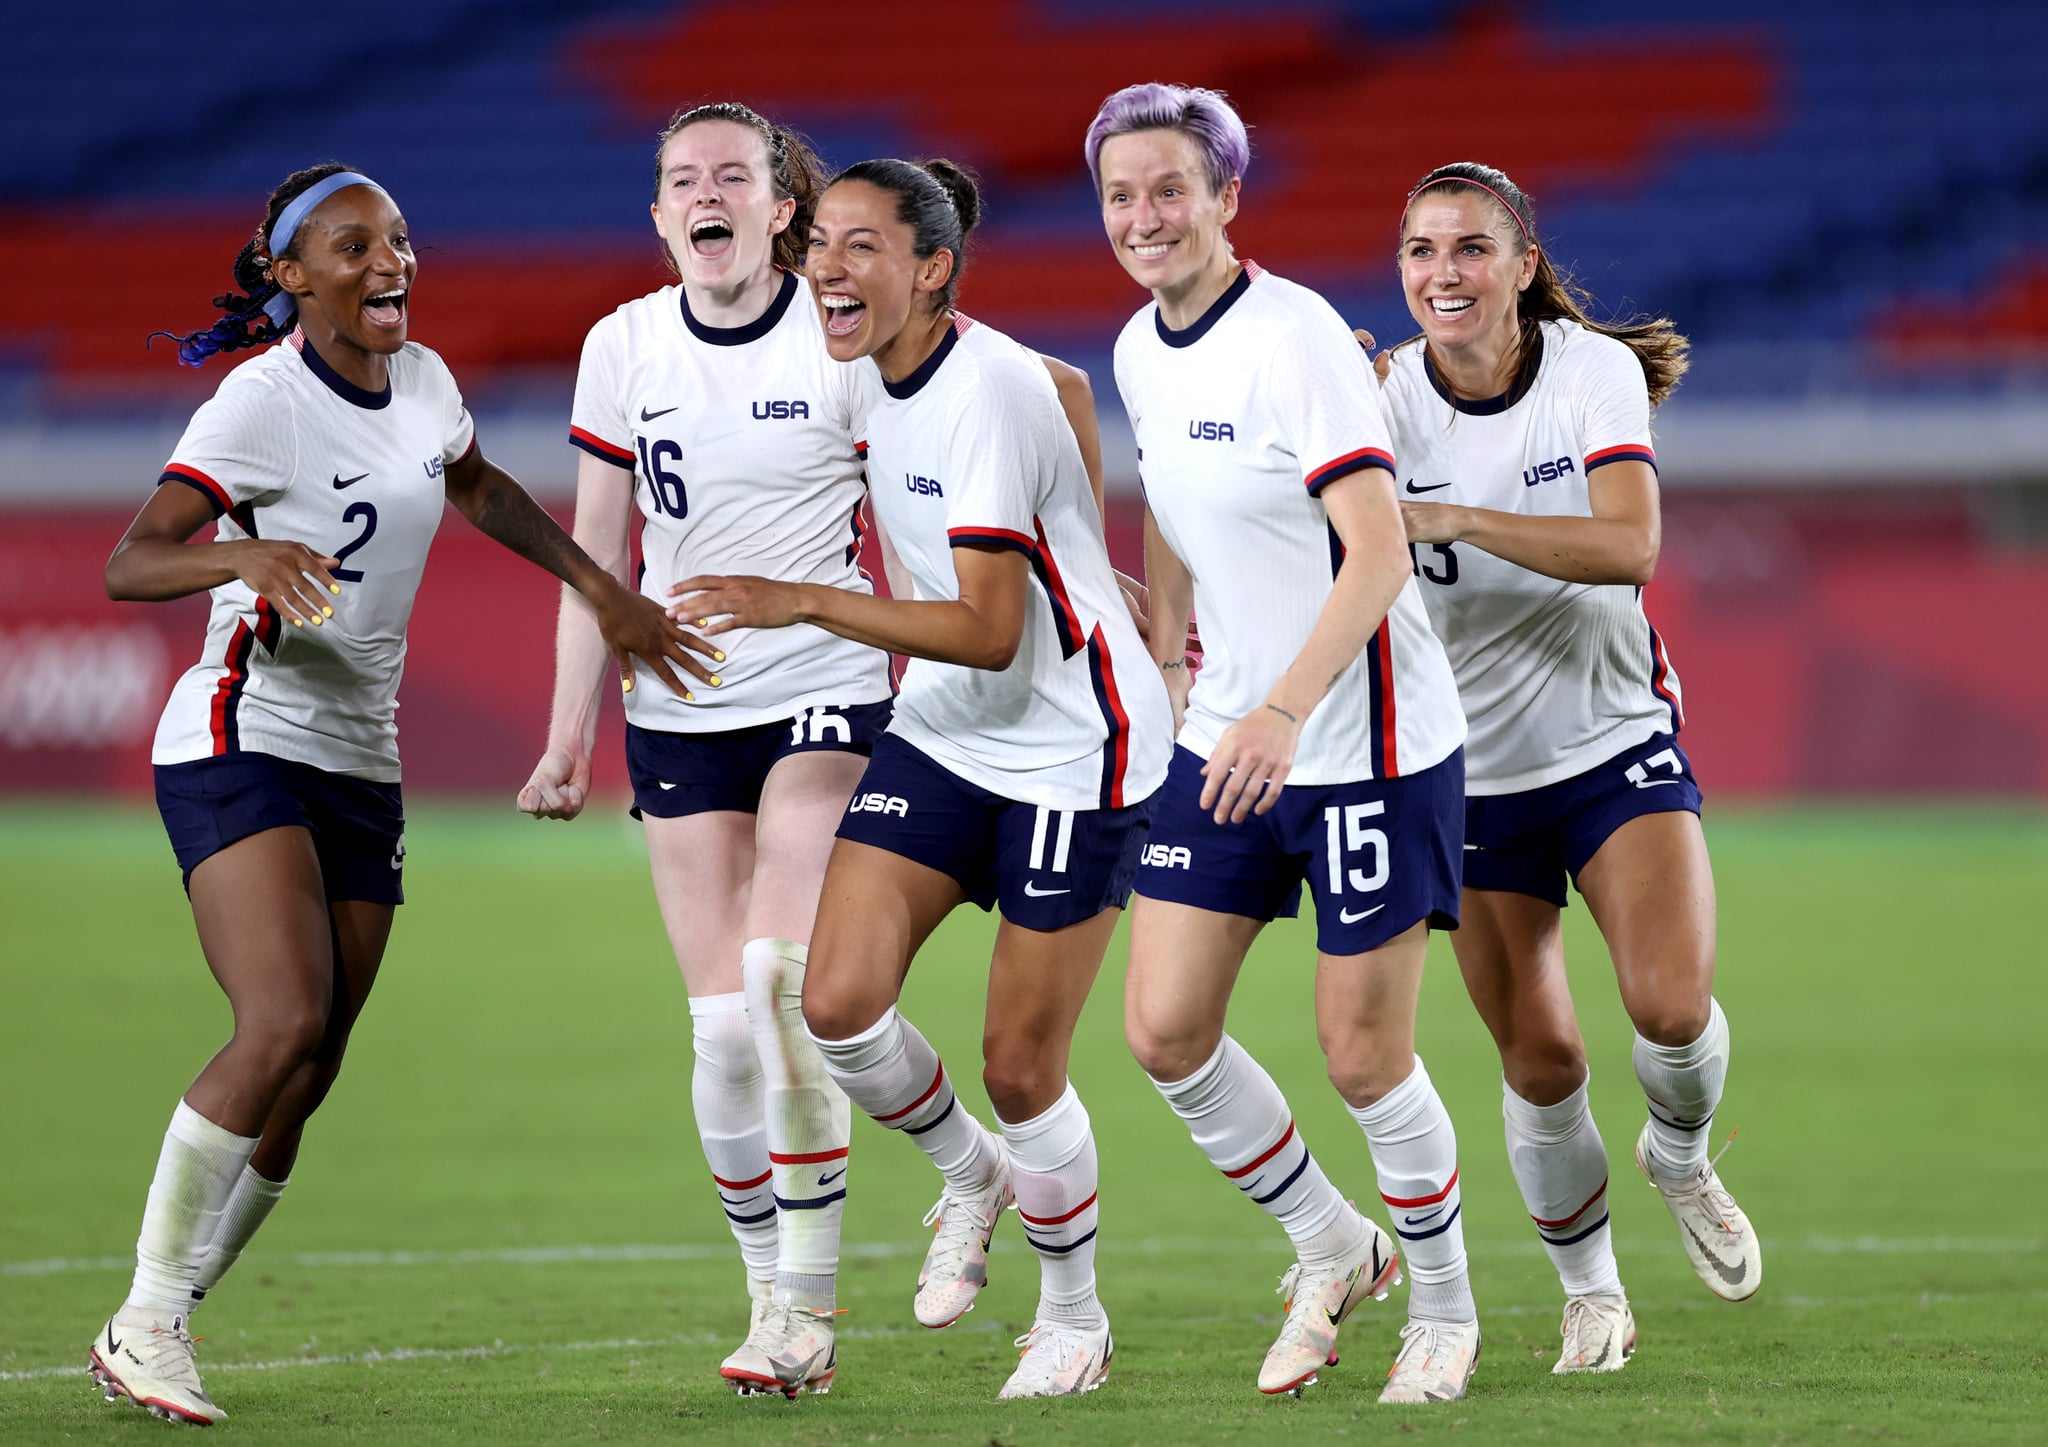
(507, 514)
(1283, 713)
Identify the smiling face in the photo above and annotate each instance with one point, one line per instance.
(1463, 269)
(1164, 220)
(352, 271)
(865, 271)
(716, 207)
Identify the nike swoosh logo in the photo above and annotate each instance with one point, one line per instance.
(1425, 1217)
(112, 1345)
(341, 482)
(1036, 893)
(1433, 487)
(824, 1181)
(1732, 1275)
(665, 786)
(1337, 1317)
(1347, 917)
(647, 416)
(1653, 783)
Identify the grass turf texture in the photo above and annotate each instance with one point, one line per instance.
(501, 1228)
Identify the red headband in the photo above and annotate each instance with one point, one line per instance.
(1468, 181)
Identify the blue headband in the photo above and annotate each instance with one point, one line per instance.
(281, 308)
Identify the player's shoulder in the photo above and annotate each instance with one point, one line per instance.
(629, 317)
(1575, 354)
(414, 367)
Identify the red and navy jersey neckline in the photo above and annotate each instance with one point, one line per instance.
(339, 385)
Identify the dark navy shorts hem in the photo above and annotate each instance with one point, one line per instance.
(1045, 869)
(358, 826)
(675, 775)
(1532, 842)
(1378, 855)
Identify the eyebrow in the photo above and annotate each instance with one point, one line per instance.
(714, 166)
(817, 230)
(1468, 236)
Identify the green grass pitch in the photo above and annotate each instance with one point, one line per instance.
(501, 1228)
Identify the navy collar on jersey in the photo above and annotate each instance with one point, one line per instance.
(1196, 330)
(927, 369)
(1485, 406)
(339, 385)
(753, 331)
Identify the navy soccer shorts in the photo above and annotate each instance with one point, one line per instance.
(1378, 856)
(679, 774)
(1044, 868)
(358, 827)
(1531, 842)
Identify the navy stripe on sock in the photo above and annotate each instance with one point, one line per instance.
(814, 1203)
(935, 1122)
(1292, 1177)
(767, 1215)
(1432, 1231)
(1057, 1250)
(1665, 1120)
(1550, 1240)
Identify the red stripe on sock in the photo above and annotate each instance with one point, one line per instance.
(1566, 1221)
(1274, 1151)
(760, 1180)
(1057, 1220)
(1406, 1205)
(930, 1091)
(809, 1158)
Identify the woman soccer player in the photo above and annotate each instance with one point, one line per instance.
(1527, 427)
(746, 436)
(325, 463)
(1271, 511)
(1018, 771)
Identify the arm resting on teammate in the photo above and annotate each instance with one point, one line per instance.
(1617, 544)
(980, 630)
(1077, 400)
(1171, 593)
(1249, 764)
(603, 528)
(633, 626)
(152, 562)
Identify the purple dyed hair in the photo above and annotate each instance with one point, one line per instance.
(1205, 117)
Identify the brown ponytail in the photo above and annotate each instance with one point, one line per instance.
(1554, 297)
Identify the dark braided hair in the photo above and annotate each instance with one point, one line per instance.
(937, 200)
(793, 168)
(1553, 296)
(244, 322)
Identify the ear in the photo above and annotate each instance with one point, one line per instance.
(1228, 199)
(934, 271)
(290, 275)
(785, 212)
(1528, 268)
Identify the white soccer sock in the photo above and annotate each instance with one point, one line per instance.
(891, 1072)
(1560, 1163)
(1052, 1166)
(195, 1175)
(809, 1124)
(725, 1089)
(1683, 1083)
(1240, 1119)
(248, 1207)
(1415, 1151)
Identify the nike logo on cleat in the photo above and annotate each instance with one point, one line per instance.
(112, 1345)
(647, 416)
(341, 482)
(1733, 1276)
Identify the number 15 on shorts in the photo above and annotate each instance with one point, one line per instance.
(1349, 835)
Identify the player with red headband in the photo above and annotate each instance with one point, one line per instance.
(1529, 490)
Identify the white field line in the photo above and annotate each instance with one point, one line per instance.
(500, 1349)
(1257, 1244)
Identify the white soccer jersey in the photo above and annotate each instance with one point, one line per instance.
(973, 448)
(743, 446)
(289, 449)
(1242, 418)
(1556, 677)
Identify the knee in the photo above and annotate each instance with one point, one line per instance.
(1672, 1022)
(1169, 1055)
(287, 1035)
(832, 1014)
(1543, 1072)
(1364, 1067)
(1021, 1082)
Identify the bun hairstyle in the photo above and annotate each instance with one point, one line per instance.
(793, 169)
(244, 321)
(938, 200)
(1554, 297)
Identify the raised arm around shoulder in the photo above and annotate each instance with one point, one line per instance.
(1077, 400)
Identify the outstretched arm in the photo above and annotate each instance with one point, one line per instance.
(152, 562)
(1619, 543)
(632, 626)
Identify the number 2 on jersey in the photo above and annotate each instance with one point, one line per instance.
(367, 515)
(664, 486)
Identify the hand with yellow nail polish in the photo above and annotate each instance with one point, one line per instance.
(290, 577)
(722, 604)
(637, 630)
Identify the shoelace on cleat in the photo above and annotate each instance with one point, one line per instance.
(1426, 1334)
(1579, 1314)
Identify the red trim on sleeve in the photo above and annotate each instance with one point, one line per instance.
(1349, 463)
(597, 447)
(1626, 452)
(467, 450)
(193, 477)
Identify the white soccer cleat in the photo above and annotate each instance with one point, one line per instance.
(146, 1356)
(1717, 1236)
(1435, 1362)
(790, 1351)
(1599, 1335)
(1060, 1360)
(1318, 1299)
(956, 1266)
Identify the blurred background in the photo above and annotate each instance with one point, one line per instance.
(1841, 201)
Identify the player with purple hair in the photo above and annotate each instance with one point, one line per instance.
(1321, 742)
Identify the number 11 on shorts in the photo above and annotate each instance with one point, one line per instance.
(1345, 826)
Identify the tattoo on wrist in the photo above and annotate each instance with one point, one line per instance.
(1283, 713)
(1176, 663)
